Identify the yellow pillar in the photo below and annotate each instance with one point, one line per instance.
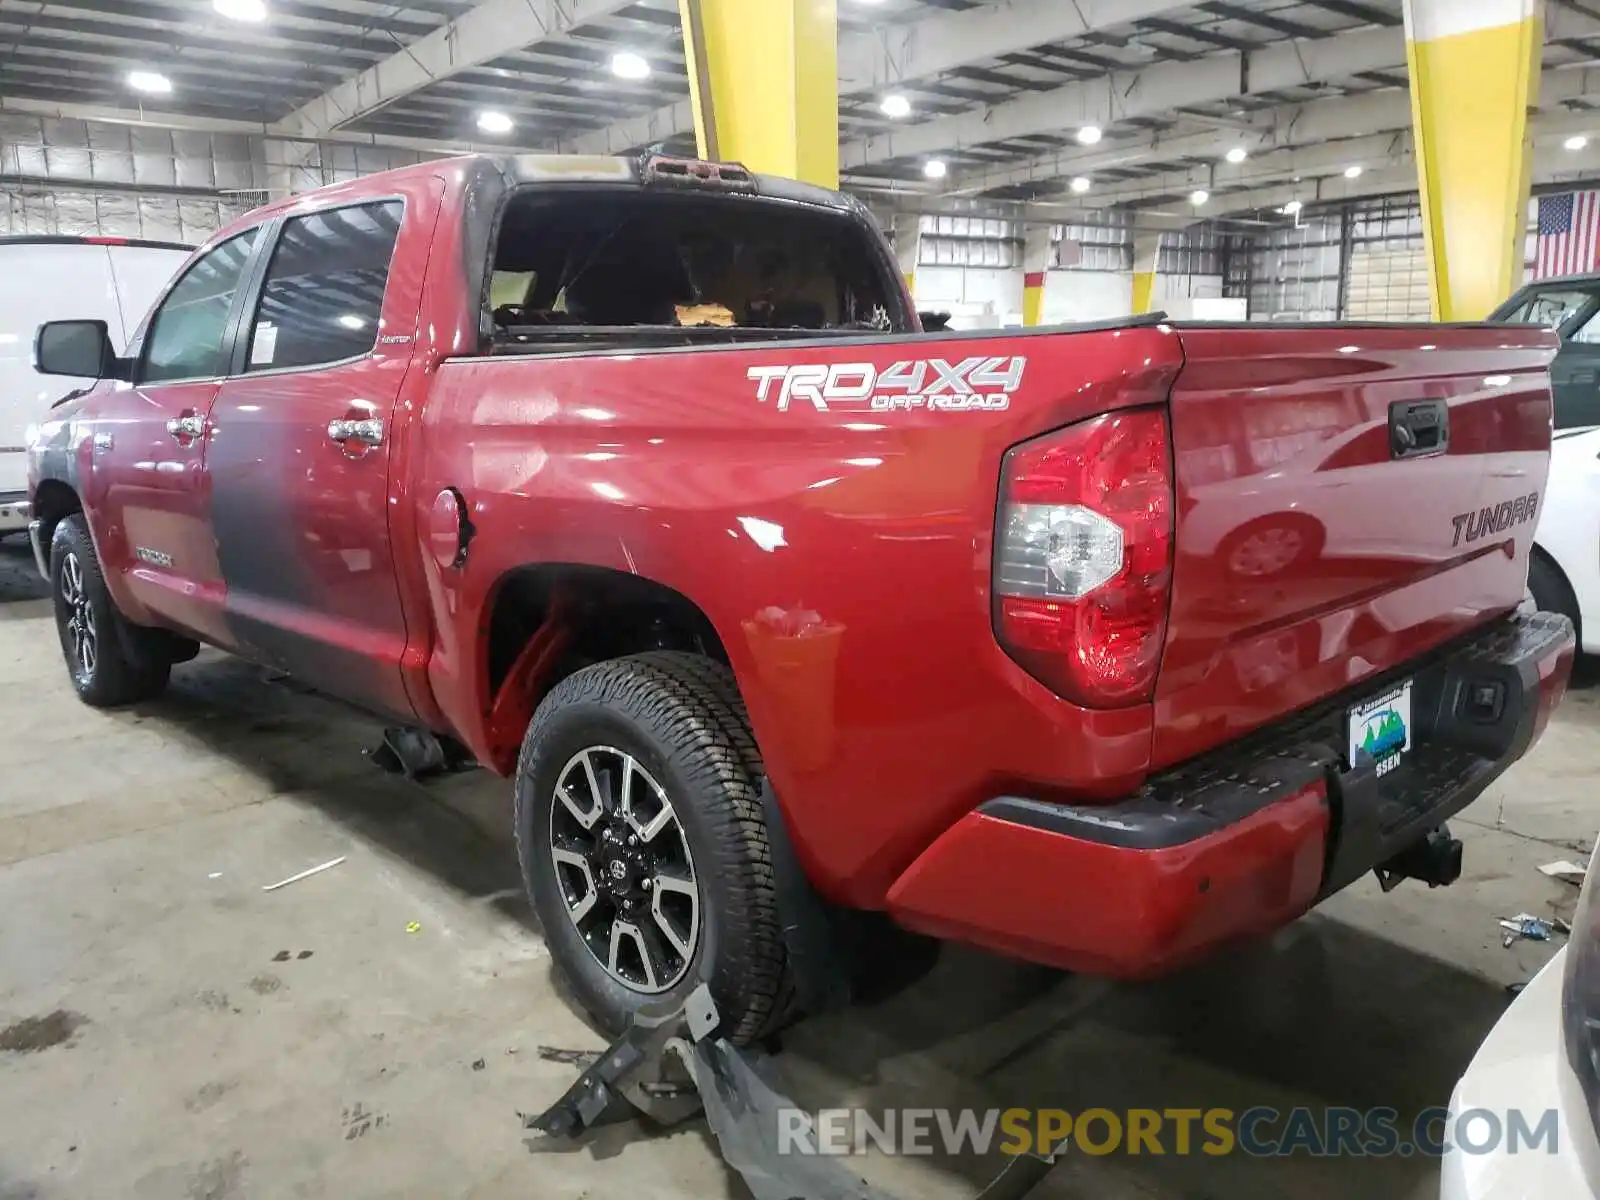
(1474, 75)
(1035, 270)
(908, 246)
(1146, 257)
(764, 84)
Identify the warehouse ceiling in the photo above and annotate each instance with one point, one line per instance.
(1148, 103)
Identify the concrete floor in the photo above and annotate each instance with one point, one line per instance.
(200, 1038)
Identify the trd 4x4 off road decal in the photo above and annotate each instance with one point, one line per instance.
(973, 384)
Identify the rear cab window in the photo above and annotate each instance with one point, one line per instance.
(588, 266)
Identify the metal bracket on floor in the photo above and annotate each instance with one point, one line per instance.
(743, 1108)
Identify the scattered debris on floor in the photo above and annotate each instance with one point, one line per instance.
(286, 955)
(306, 874)
(740, 1104)
(1565, 870)
(570, 1058)
(1527, 927)
(40, 1033)
(478, 1064)
(414, 927)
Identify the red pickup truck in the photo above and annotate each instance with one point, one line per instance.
(1100, 645)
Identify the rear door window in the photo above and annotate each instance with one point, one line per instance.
(323, 293)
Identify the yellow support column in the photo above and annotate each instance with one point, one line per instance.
(764, 84)
(1035, 270)
(1146, 257)
(908, 246)
(1474, 75)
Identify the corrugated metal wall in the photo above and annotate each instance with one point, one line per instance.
(75, 177)
(1097, 242)
(1358, 261)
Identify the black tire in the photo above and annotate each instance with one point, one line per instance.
(126, 663)
(680, 718)
(1552, 592)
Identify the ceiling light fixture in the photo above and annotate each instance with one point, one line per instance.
(1080, 184)
(935, 168)
(241, 10)
(1352, 172)
(149, 81)
(1089, 135)
(895, 105)
(627, 65)
(1237, 155)
(1291, 208)
(1199, 196)
(494, 122)
(1576, 142)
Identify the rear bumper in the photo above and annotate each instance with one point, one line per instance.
(15, 511)
(1244, 840)
(41, 553)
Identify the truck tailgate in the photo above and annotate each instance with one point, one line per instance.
(1348, 497)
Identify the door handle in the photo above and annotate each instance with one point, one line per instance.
(368, 432)
(190, 425)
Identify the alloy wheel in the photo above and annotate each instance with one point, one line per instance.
(80, 617)
(624, 868)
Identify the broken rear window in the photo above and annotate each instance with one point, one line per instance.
(617, 260)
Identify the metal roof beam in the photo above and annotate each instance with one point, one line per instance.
(490, 30)
(1315, 165)
(1315, 120)
(900, 55)
(1158, 88)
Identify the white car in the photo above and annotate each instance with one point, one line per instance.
(1564, 572)
(109, 279)
(1542, 1057)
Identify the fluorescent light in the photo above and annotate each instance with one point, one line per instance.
(241, 10)
(494, 122)
(149, 81)
(1199, 196)
(1576, 142)
(1079, 184)
(895, 105)
(1237, 155)
(351, 321)
(1292, 207)
(625, 64)
(1352, 172)
(935, 168)
(1090, 134)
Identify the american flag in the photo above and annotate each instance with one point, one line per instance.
(1569, 234)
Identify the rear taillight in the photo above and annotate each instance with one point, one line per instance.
(1083, 556)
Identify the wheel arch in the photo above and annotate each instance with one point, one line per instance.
(53, 500)
(1540, 554)
(544, 621)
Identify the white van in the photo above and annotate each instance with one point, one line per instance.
(109, 279)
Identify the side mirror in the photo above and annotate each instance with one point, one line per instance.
(81, 349)
(934, 322)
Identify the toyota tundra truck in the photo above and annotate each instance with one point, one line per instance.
(639, 482)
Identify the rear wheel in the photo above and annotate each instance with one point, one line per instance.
(110, 662)
(1552, 592)
(643, 849)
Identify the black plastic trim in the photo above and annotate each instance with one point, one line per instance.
(1455, 758)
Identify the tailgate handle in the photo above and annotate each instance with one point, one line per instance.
(1418, 427)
